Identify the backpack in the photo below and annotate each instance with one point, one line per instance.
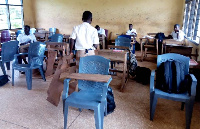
(3, 80)
(143, 75)
(110, 101)
(133, 65)
(160, 36)
(170, 78)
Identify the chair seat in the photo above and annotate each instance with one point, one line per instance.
(89, 99)
(177, 97)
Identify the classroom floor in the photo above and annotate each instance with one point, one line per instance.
(28, 109)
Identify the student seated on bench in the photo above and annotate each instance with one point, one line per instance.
(131, 31)
(86, 37)
(177, 34)
(24, 41)
(100, 31)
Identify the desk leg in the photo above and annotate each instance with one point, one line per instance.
(50, 62)
(141, 47)
(124, 79)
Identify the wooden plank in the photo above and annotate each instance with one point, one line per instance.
(110, 54)
(89, 77)
(120, 47)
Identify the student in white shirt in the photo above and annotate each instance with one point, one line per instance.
(177, 34)
(24, 41)
(131, 31)
(86, 37)
(100, 31)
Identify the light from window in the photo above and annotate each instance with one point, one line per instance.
(11, 14)
(14, 2)
(3, 17)
(2, 1)
(15, 17)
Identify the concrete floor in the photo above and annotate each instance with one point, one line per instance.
(28, 109)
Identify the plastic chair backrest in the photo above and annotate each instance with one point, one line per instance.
(124, 36)
(92, 65)
(56, 38)
(126, 42)
(5, 36)
(32, 31)
(8, 50)
(52, 31)
(19, 32)
(36, 49)
(173, 56)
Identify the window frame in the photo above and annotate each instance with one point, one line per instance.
(8, 14)
(191, 22)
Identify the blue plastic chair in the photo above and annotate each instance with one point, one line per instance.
(184, 97)
(52, 31)
(56, 38)
(35, 61)
(124, 36)
(19, 32)
(8, 50)
(92, 95)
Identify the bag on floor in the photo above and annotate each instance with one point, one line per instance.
(133, 65)
(3, 80)
(142, 75)
(110, 101)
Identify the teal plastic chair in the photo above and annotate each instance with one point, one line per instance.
(35, 61)
(8, 50)
(187, 97)
(56, 38)
(92, 95)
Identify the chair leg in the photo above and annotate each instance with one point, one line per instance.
(188, 112)
(29, 78)
(102, 114)
(42, 73)
(8, 65)
(3, 68)
(105, 113)
(97, 117)
(13, 74)
(153, 102)
(182, 105)
(65, 115)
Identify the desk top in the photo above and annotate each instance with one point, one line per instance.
(89, 77)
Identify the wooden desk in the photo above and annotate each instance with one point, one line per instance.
(116, 57)
(42, 35)
(173, 46)
(89, 77)
(52, 54)
(66, 38)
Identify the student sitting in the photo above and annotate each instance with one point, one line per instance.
(24, 41)
(131, 31)
(100, 31)
(177, 34)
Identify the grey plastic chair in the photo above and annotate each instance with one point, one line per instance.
(8, 50)
(92, 95)
(35, 61)
(186, 98)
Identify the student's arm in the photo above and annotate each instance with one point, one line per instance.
(72, 40)
(71, 45)
(95, 39)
